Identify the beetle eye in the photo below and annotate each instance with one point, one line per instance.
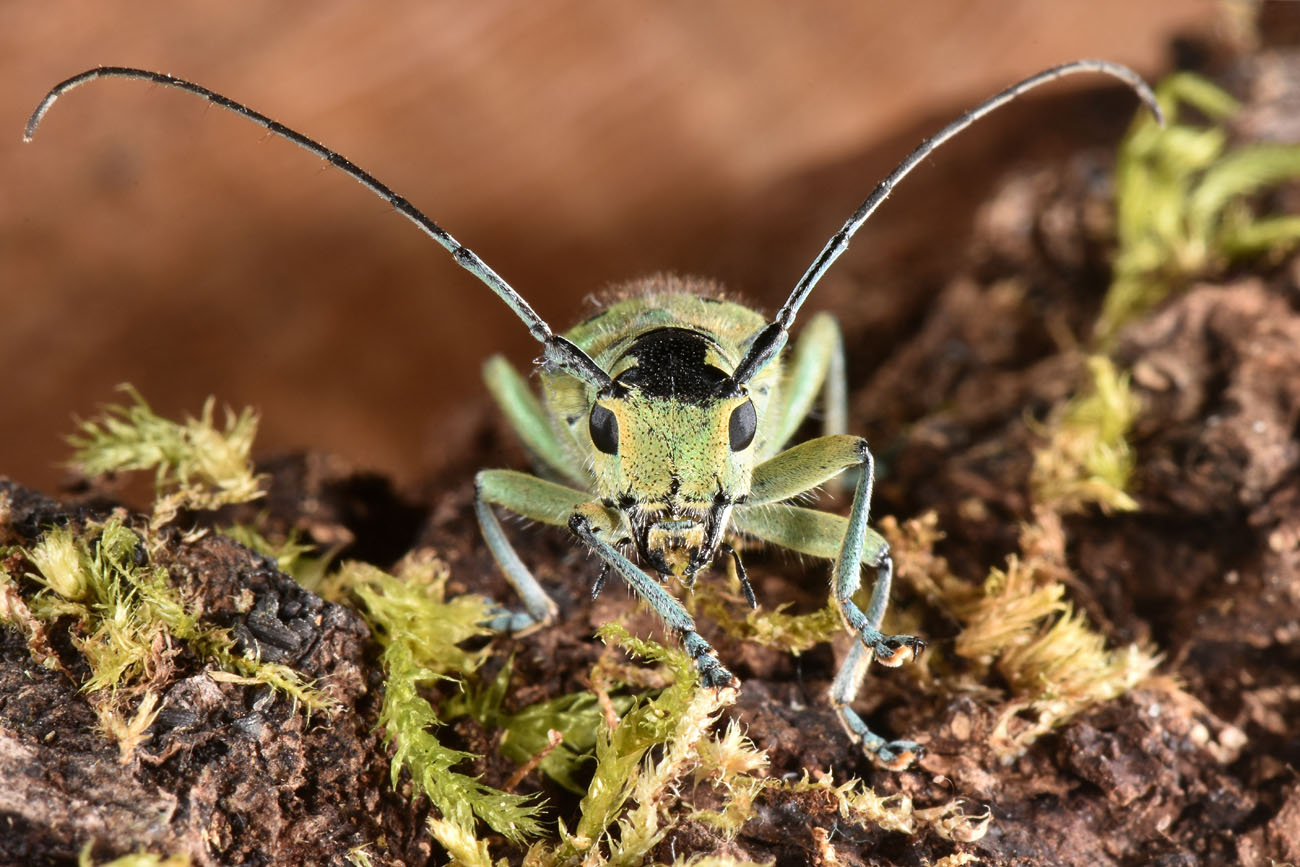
(604, 429)
(743, 425)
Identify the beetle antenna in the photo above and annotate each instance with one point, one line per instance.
(772, 338)
(560, 352)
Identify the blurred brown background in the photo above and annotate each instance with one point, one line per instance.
(146, 237)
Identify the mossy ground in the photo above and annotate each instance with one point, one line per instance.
(1054, 737)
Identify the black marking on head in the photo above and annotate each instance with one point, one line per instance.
(671, 364)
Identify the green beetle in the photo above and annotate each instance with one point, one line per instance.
(664, 421)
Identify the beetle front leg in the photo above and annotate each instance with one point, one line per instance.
(816, 366)
(891, 755)
(846, 575)
(590, 523)
(538, 500)
(849, 544)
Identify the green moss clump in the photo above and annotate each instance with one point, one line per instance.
(775, 627)
(138, 859)
(293, 557)
(196, 465)
(1020, 624)
(1181, 200)
(860, 805)
(127, 618)
(676, 721)
(421, 631)
(1087, 460)
(526, 733)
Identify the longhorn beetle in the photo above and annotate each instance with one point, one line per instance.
(666, 417)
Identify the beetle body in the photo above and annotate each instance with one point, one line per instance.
(673, 460)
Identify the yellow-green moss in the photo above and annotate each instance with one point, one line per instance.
(1020, 624)
(1181, 200)
(196, 465)
(577, 717)
(773, 627)
(293, 557)
(127, 617)
(138, 859)
(421, 631)
(1087, 459)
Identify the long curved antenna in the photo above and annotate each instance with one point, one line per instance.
(770, 340)
(559, 352)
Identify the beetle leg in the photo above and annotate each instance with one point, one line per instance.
(892, 755)
(524, 412)
(587, 524)
(816, 365)
(533, 498)
(849, 544)
(846, 576)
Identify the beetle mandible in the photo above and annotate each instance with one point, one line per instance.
(666, 416)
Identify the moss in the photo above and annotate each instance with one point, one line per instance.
(859, 805)
(1020, 624)
(527, 733)
(1182, 200)
(647, 757)
(359, 856)
(293, 557)
(619, 751)
(138, 859)
(126, 619)
(1086, 459)
(774, 627)
(421, 631)
(196, 465)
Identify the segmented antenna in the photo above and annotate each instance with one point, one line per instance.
(773, 337)
(560, 352)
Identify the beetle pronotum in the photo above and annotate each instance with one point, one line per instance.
(663, 422)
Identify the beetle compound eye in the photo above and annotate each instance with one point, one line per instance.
(743, 425)
(604, 429)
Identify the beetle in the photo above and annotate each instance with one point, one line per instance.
(662, 427)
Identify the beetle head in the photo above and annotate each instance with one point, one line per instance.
(673, 446)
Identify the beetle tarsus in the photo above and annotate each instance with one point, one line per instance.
(892, 651)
